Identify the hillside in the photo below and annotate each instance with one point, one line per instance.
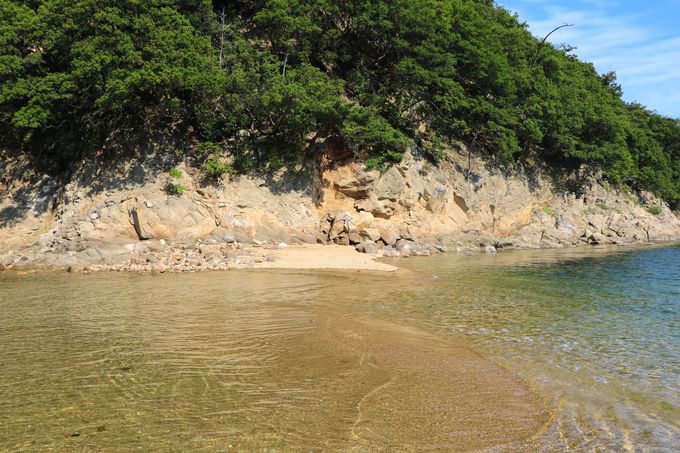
(259, 85)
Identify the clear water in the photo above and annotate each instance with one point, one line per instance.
(599, 331)
(304, 361)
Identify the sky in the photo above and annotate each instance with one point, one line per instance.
(638, 39)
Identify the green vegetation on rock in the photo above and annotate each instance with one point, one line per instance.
(272, 79)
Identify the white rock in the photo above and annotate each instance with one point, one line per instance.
(283, 245)
(162, 241)
(94, 216)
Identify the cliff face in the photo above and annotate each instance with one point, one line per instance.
(112, 216)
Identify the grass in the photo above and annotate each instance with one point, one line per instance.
(175, 173)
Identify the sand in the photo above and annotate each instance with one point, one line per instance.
(318, 257)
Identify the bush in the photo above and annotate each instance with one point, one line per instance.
(175, 173)
(654, 209)
(207, 148)
(174, 189)
(215, 168)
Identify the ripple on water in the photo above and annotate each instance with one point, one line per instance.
(248, 359)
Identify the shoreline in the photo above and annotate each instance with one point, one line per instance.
(158, 257)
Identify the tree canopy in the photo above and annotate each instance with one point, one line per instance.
(268, 79)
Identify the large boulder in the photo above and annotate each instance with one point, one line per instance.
(173, 218)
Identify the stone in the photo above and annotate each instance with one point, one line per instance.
(241, 224)
(355, 238)
(390, 185)
(596, 239)
(389, 252)
(94, 216)
(343, 239)
(436, 199)
(355, 184)
(383, 209)
(490, 249)
(389, 235)
(406, 247)
(372, 234)
(368, 247)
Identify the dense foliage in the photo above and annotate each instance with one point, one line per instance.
(268, 79)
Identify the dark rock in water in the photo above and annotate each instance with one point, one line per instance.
(101, 429)
(74, 435)
(3, 267)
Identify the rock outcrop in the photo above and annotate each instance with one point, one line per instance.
(113, 216)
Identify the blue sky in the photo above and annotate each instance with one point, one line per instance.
(638, 39)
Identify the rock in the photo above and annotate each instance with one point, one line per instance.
(436, 199)
(162, 241)
(389, 235)
(406, 247)
(343, 239)
(283, 245)
(596, 239)
(383, 209)
(240, 224)
(369, 247)
(389, 252)
(148, 204)
(355, 184)
(490, 249)
(94, 216)
(355, 238)
(210, 251)
(390, 185)
(2, 267)
(372, 234)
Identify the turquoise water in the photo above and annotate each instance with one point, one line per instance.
(597, 330)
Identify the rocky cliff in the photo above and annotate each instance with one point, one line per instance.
(120, 216)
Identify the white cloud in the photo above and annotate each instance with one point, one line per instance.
(646, 61)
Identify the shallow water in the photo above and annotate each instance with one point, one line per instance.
(598, 330)
(349, 361)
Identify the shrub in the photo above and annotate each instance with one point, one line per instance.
(207, 148)
(174, 189)
(175, 173)
(654, 209)
(215, 168)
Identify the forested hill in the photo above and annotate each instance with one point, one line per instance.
(266, 80)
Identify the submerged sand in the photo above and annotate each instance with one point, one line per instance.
(432, 394)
